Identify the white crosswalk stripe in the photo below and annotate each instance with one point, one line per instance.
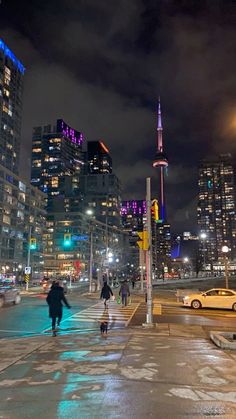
(115, 314)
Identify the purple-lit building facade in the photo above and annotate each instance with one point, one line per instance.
(57, 159)
(133, 214)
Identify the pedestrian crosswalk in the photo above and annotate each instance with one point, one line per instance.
(115, 315)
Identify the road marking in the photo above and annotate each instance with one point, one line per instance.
(16, 331)
(97, 313)
(49, 328)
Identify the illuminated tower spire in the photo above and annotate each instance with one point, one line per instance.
(159, 127)
(160, 162)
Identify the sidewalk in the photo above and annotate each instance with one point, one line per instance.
(171, 371)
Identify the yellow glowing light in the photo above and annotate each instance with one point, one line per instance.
(104, 147)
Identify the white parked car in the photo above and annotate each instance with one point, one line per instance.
(214, 298)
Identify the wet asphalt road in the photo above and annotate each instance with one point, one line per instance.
(31, 315)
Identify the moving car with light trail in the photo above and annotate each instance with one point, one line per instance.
(214, 298)
(9, 294)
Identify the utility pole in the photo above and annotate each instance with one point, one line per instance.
(149, 319)
(225, 249)
(141, 262)
(91, 260)
(107, 248)
(226, 273)
(28, 255)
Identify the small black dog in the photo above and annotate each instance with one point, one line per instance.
(104, 328)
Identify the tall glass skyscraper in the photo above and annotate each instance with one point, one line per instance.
(216, 208)
(98, 158)
(22, 212)
(11, 91)
(56, 163)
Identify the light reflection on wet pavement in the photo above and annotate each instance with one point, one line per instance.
(171, 371)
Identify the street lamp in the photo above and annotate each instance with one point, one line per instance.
(185, 268)
(89, 212)
(203, 237)
(225, 251)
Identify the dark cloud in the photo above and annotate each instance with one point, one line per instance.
(101, 66)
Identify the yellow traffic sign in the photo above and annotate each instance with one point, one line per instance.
(27, 277)
(143, 243)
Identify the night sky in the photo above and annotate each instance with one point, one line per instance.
(101, 65)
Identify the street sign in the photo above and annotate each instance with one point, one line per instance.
(143, 243)
(27, 270)
(80, 238)
(27, 278)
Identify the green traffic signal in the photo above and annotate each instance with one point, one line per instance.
(67, 240)
(33, 244)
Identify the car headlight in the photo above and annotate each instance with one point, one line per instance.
(186, 297)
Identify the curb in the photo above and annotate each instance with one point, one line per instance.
(221, 339)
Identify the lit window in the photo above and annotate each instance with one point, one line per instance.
(55, 140)
(6, 92)
(7, 70)
(36, 163)
(6, 81)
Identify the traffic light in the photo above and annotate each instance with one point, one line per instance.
(155, 211)
(143, 243)
(33, 243)
(67, 239)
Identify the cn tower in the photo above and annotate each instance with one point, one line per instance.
(160, 163)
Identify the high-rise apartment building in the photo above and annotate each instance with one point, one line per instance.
(133, 215)
(98, 158)
(22, 207)
(22, 217)
(134, 218)
(56, 163)
(100, 188)
(102, 193)
(216, 209)
(74, 258)
(11, 91)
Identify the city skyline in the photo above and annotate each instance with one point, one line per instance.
(198, 106)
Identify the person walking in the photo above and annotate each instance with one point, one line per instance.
(54, 299)
(106, 293)
(125, 293)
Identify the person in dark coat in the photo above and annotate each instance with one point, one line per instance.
(125, 293)
(54, 299)
(106, 293)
